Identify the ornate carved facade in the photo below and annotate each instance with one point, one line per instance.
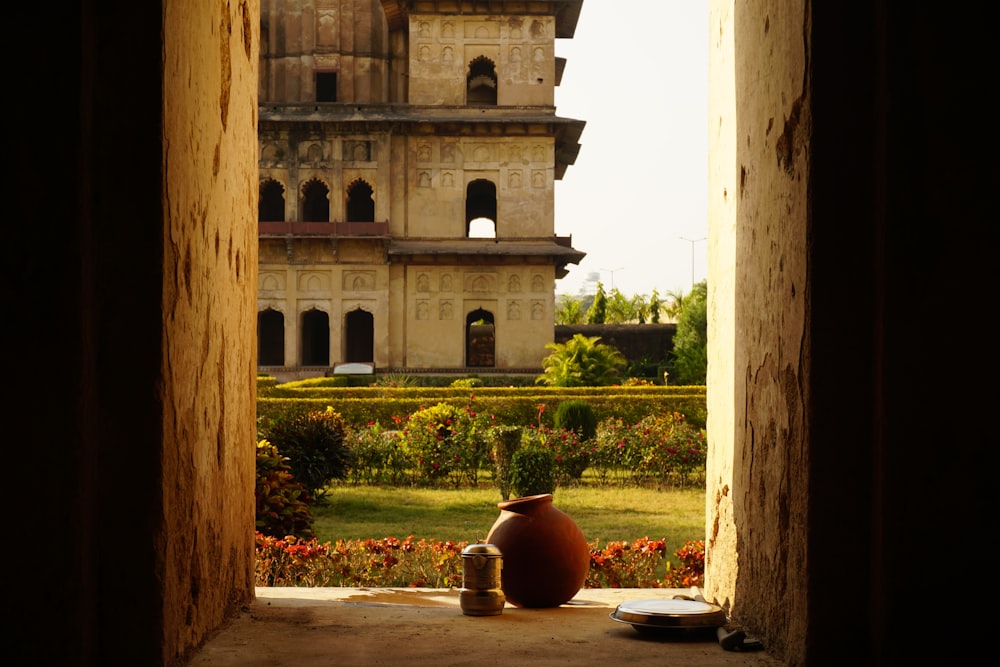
(408, 155)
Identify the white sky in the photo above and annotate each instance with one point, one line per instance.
(637, 73)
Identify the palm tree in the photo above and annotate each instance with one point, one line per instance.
(654, 307)
(569, 310)
(581, 361)
(598, 308)
(675, 305)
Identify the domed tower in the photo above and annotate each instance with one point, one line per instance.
(408, 155)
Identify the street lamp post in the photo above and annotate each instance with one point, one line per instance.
(692, 242)
(612, 272)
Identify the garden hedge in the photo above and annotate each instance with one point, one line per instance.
(513, 406)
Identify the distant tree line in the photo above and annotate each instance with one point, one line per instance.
(613, 307)
(688, 363)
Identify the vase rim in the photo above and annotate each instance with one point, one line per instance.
(525, 500)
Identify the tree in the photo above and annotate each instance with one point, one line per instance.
(598, 308)
(570, 310)
(675, 305)
(654, 307)
(620, 309)
(581, 361)
(691, 339)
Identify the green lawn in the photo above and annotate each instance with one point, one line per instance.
(466, 515)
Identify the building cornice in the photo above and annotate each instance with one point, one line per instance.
(566, 12)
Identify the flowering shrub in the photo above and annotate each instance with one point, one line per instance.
(641, 564)
(282, 504)
(670, 450)
(612, 456)
(388, 562)
(572, 456)
(379, 455)
(410, 563)
(447, 442)
(660, 449)
(692, 566)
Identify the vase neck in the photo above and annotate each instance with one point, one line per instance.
(526, 503)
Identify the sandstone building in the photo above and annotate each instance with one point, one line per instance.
(408, 155)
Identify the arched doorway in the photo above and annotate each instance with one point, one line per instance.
(480, 339)
(270, 338)
(359, 327)
(315, 338)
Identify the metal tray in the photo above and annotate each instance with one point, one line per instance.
(658, 614)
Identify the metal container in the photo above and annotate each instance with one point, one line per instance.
(481, 594)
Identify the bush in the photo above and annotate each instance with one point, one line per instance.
(663, 449)
(378, 455)
(581, 361)
(388, 562)
(466, 383)
(282, 503)
(447, 442)
(391, 562)
(314, 445)
(641, 564)
(506, 440)
(578, 416)
(532, 471)
(572, 455)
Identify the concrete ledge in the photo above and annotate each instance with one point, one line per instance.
(360, 626)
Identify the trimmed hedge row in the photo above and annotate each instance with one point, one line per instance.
(294, 391)
(516, 406)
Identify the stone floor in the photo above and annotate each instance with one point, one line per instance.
(415, 627)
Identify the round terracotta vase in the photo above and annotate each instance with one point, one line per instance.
(545, 555)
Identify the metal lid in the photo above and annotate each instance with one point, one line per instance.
(672, 613)
(481, 550)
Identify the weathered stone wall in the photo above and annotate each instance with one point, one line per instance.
(207, 361)
(758, 478)
(301, 37)
(846, 193)
(135, 282)
(521, 47)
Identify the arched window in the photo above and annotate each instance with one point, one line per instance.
(480, 339)
(360, 328)
(315, 202)
(270, 338)
(360, 202)
(315, 338)
(481, 84)
(481, 209)
(271, 202)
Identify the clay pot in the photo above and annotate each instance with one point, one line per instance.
(545, 555)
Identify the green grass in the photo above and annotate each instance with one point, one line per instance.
(466, 515)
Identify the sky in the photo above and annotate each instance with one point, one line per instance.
(636, 199)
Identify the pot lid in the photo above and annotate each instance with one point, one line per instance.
(672, 613)
(481, 550)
